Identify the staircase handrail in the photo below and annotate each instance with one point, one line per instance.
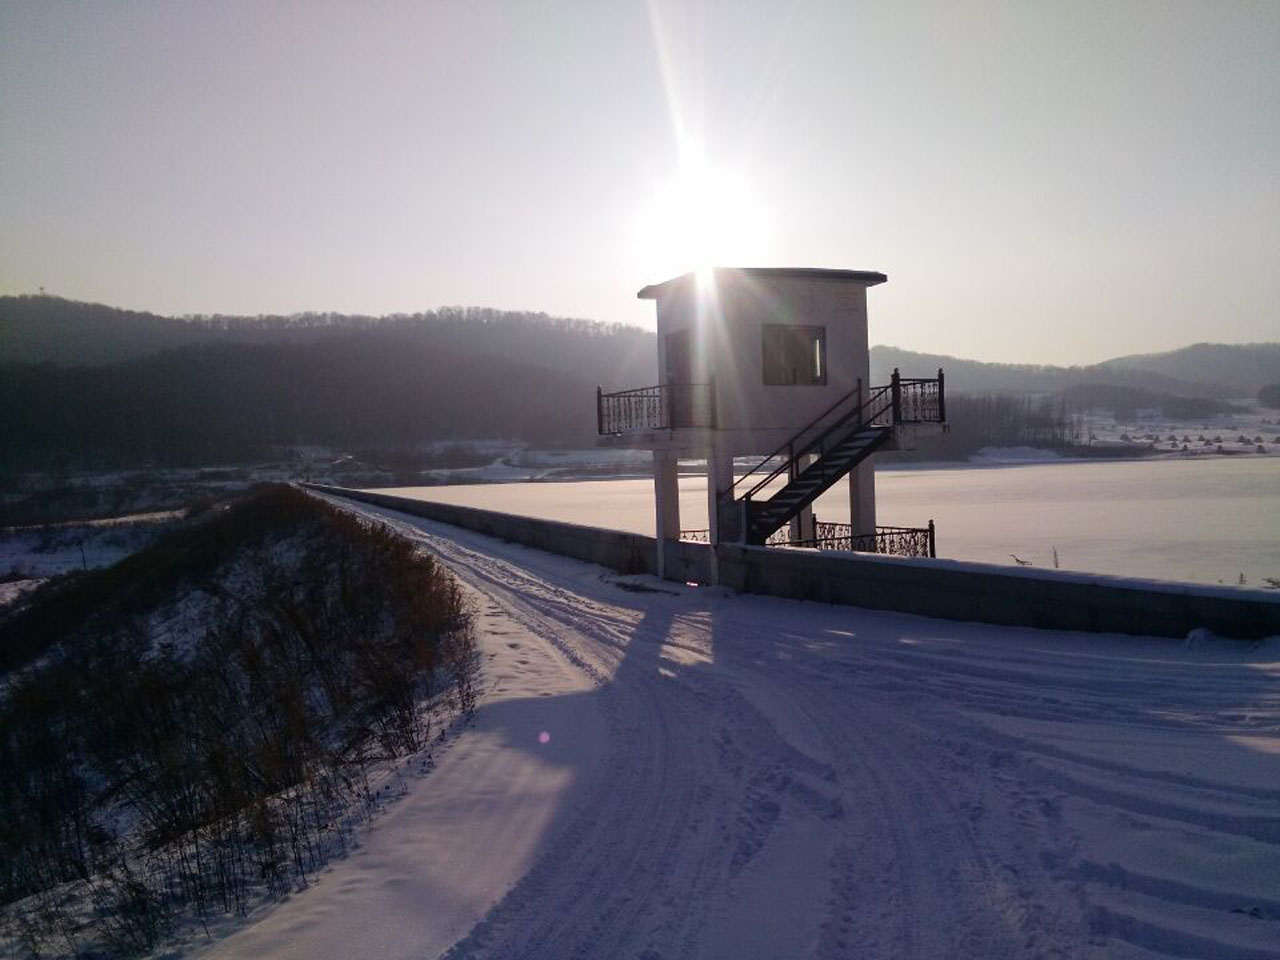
(786, 446)
(793, 448)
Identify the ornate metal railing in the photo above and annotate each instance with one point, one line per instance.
(920, 400)
(663, 407)
(901, 400)
(780, 537)
(894, 541)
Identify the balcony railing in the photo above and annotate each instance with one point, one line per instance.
(919, 400)
(894, 541)
(667, 406)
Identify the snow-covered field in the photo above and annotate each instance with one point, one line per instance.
(1251, 429)
(659, 771)
(31, 555)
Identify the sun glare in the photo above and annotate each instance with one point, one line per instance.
(701, 218)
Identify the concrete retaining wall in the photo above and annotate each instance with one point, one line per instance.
(985, 593)
(687, 562)
(949, 589)
(624, 552)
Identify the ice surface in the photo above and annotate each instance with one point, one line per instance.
(1203, 521)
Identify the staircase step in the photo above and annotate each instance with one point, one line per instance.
(764, 517)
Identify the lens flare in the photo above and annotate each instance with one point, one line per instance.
(702, 217)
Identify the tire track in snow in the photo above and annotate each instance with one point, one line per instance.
(604, 881)
(632, 872)
(909, 851)
(610, 883)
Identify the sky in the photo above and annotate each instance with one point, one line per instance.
(1044, 182)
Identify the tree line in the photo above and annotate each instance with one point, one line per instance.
(975, 421)
(46, 329)
(126, 390)
(392, 386)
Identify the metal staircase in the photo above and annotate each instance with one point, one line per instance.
(827, 449)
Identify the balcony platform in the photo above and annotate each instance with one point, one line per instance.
(660, 440)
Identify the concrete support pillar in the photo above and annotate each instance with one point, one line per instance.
(719, 491)
(719, 483)
(803, 526)
(666, 499)
(862, 498)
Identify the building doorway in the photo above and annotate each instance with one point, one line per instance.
(679, 365)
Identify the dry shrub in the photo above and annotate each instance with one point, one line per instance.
(236, 761)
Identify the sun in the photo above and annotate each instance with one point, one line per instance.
(703, 217)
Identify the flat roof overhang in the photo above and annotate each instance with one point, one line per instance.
(866, 278)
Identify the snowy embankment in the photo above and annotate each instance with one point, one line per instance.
(659, 771)
(40, 551)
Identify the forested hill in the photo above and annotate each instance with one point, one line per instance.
(89, 386)
(36, 329)
(244, 385)
(1201, 370)
(44, 329)
(1245, 368)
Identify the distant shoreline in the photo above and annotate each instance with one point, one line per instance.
(571, 476)
(1158, 457)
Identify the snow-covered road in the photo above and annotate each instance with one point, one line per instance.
(659, 771)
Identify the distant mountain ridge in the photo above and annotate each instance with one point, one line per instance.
(74, 393)
(71, 333)
(45, 329)
(90, 386)
(1248, 365)
(1201, 370)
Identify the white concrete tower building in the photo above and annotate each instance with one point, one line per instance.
(766, 362)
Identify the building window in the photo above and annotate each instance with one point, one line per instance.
(794, 355)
